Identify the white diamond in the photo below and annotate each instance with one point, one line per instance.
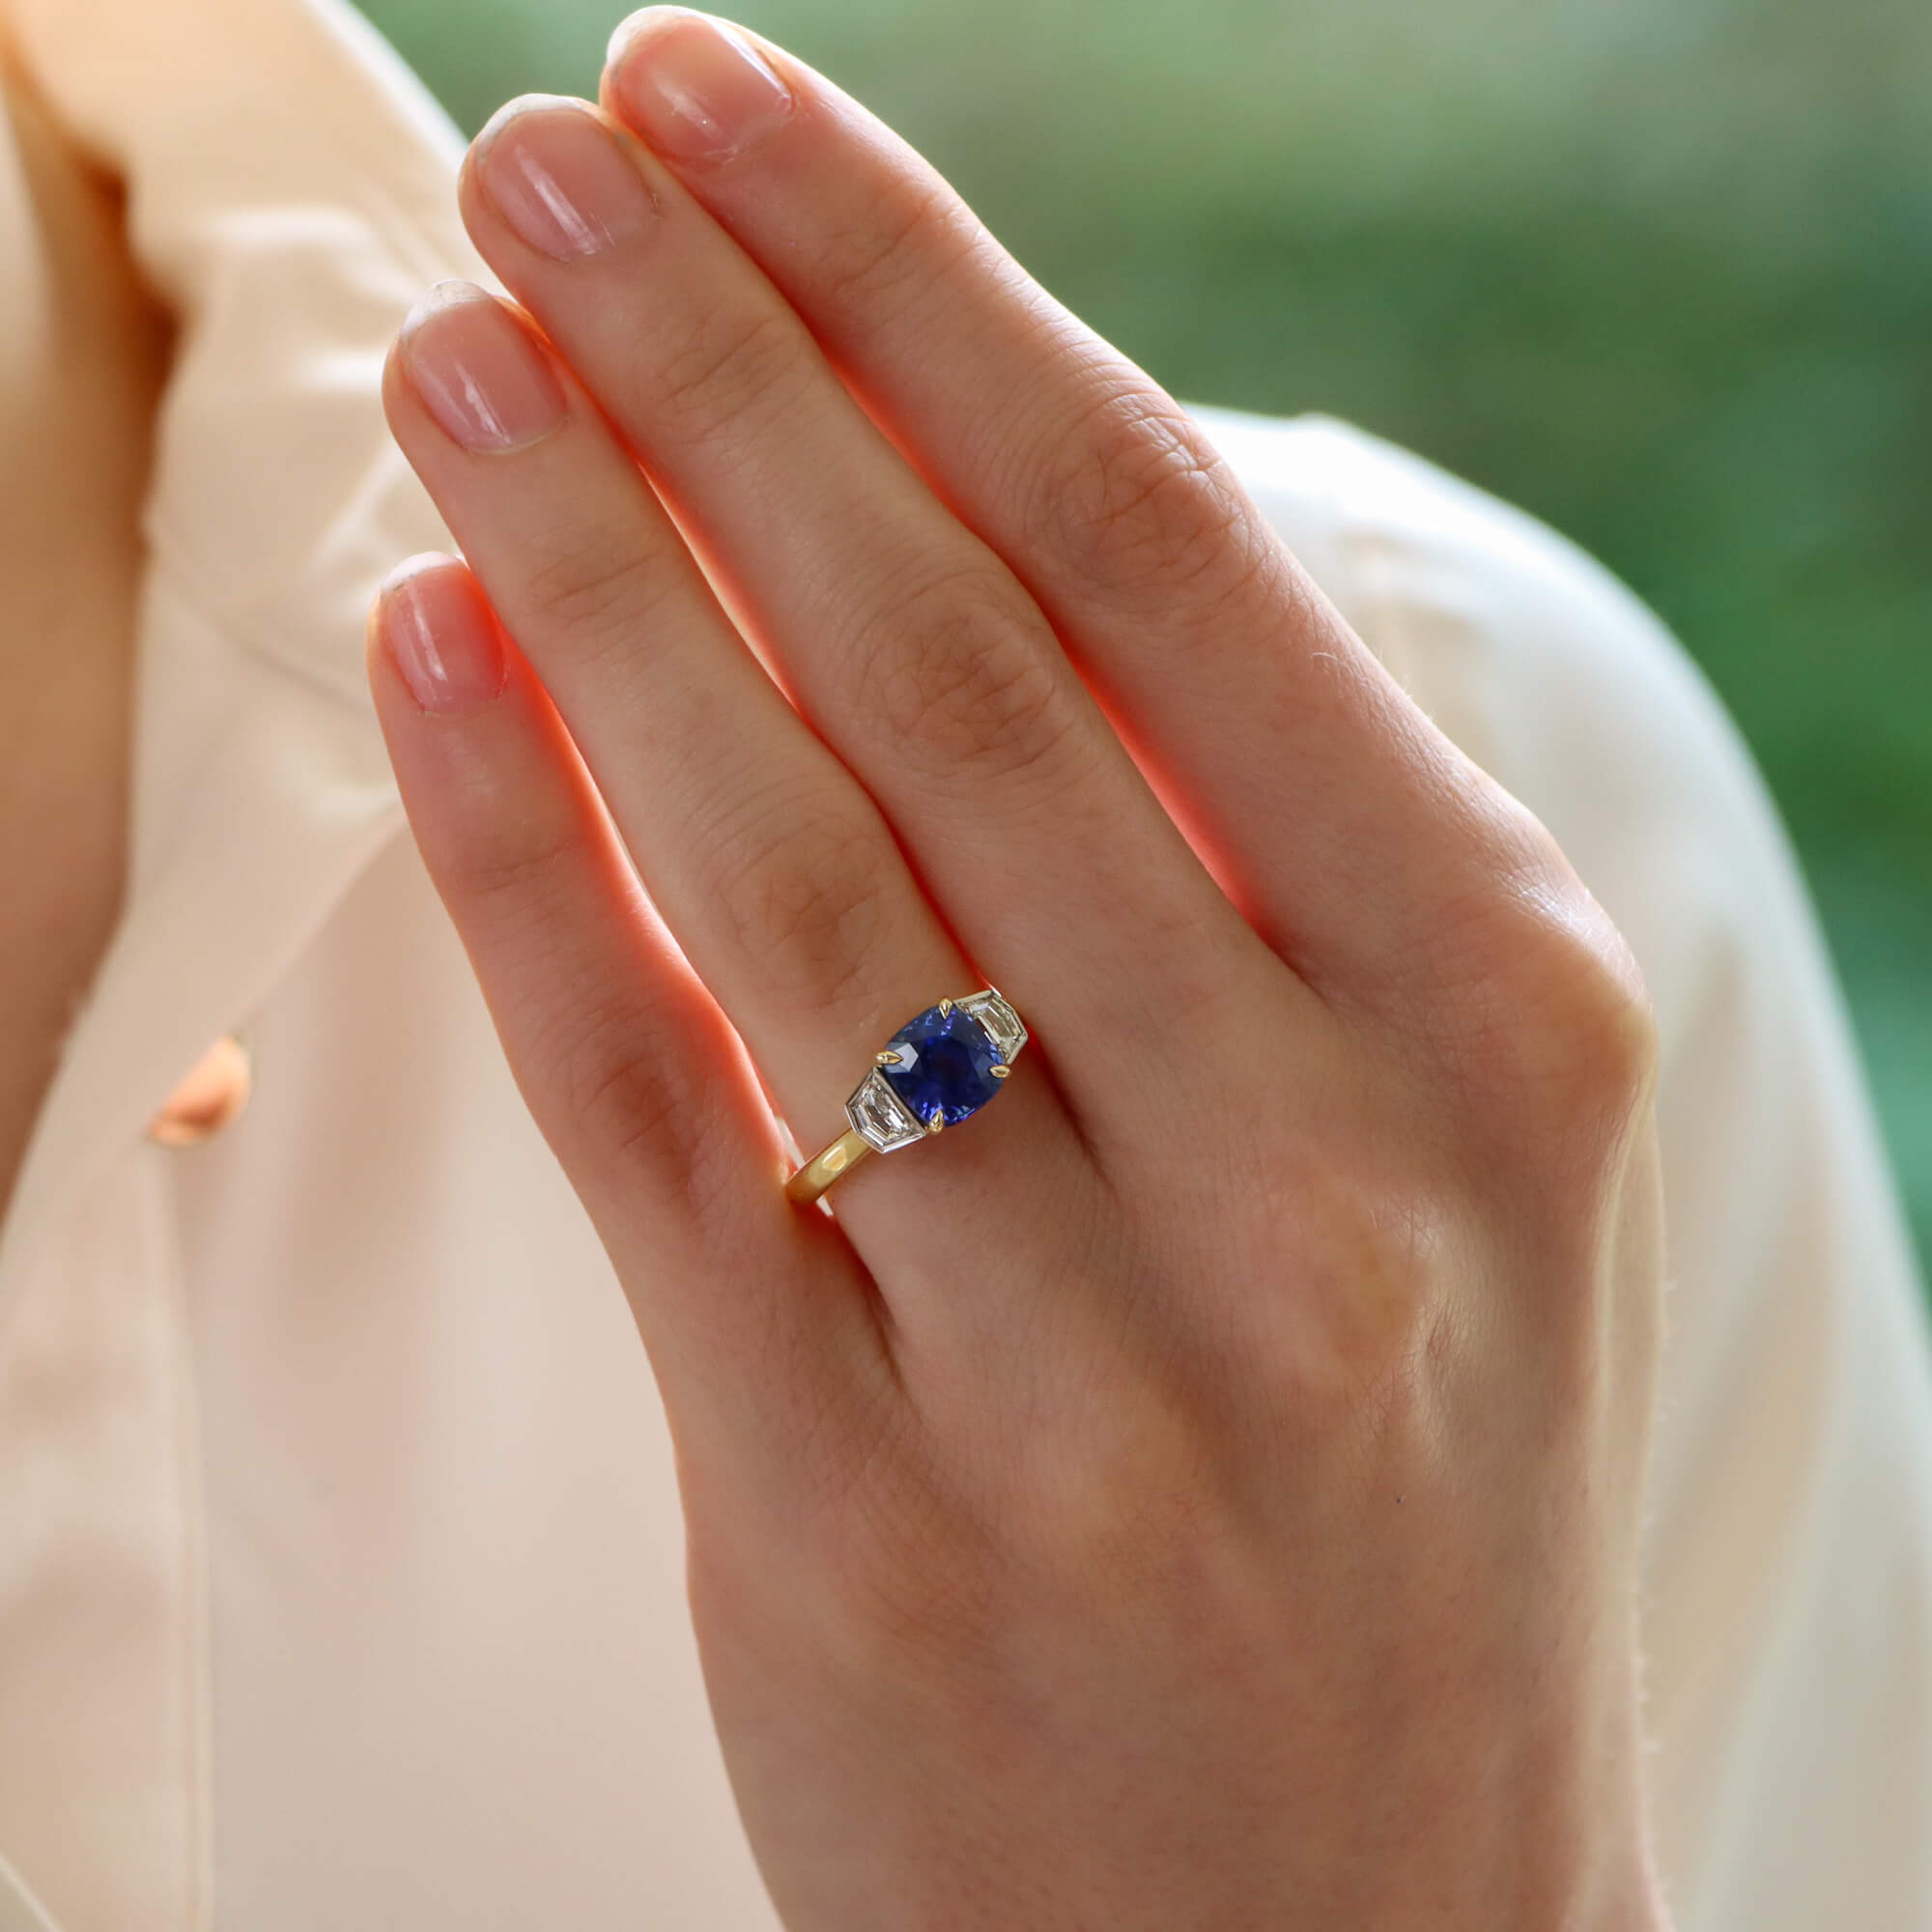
(999, 1019)
(880, 1116)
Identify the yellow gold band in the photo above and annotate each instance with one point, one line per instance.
(946, 1061)
(824, 1168)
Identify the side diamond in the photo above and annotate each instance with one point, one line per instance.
(999, 1019)
(880, 1116)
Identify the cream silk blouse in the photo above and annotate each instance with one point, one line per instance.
(340, 1556)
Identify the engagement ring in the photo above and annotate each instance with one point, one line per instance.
(934, 1072)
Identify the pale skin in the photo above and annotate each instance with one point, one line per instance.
(1201, 1490)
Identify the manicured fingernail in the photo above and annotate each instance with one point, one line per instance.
(478, 374)
(440, 634)
(693, 87)
(556, 176)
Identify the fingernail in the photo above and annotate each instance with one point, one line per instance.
(693, 87)
(478, 374)
(440, 636)
(556, 176)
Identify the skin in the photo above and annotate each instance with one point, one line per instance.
(1202, 1491)
(73, 470)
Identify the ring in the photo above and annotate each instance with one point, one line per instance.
(934, 1072)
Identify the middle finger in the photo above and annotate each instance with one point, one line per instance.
(903, 637)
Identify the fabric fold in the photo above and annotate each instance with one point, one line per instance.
(288, 238)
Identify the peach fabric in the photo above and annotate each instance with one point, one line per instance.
(340, 1552)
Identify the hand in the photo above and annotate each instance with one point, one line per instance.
(1204, 1491)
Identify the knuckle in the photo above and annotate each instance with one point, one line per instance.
(871, 272)
(1355, 1240)
(512, 869)
(590, 585)
(1599, 1037)
(804, 890)
(730, 366)
(613, 1091)
(617, 1086)
(953, 676)
(1558, 1036)
(1137, 499)
(625, 1108)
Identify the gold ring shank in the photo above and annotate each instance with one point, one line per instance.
(824, 1168)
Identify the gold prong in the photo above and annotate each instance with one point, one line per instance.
(933, 1125)
(999, 1072)
(891, 1059)
(945, 1005)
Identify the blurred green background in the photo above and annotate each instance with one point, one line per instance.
(1659, 270)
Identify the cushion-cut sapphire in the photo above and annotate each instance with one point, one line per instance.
(943, 1064)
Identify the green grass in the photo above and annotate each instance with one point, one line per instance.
(1661, 272)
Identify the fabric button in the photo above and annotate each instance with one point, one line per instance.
(207, 1099)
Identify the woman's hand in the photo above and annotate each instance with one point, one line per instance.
(1204, 1491)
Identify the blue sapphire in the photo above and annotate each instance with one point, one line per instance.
(944, 1064)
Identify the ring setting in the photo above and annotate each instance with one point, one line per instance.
(940, 1068)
